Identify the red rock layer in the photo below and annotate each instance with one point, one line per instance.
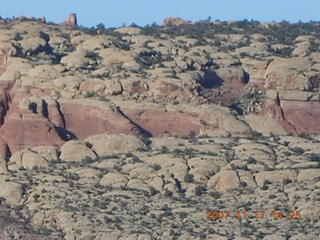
(84, 121)
(159, 122)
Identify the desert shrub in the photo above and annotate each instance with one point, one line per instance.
(167, 193)
(150, 58)
(251, 160)
(156, 167)
(121, 43)
(199, 190)
(314, 157)
(286, 181)
(265, 185)
(306, 136)
(281, 52)
(188, 178)
(298, 150)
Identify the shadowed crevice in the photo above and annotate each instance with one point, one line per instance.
(65, 134)
(145, 132)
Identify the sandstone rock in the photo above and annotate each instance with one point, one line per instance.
(95, 43)
(44, 72)
(3, 165)
(266, 126)
(15, 68)
(96, 86)
(296, 111)
(76, 151)
(114, 179)
(112, 57)
(50, 153)
(33, 45)
(4, 149)
(224, 180)
(286, 74)
(27, 160)
(171, 165)
(96, 118)
(113, 88)
(276, 176)
(157, 122)
(175, 21)
(216, 237)
(135, 86)
(129, 30)
(30, 130)
(78, 59)
(302, 115)
(275, 237)
(106, 144)
(170, 89)
(246, 177)
(136, 183)
(308, 174)
(256, 69)
(218, 117)
(71, 21)
(11, 192)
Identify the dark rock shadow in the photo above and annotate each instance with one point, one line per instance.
(210, 80)
(65, 134)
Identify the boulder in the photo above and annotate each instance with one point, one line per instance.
(224, 180)
(76, 151)
(107, 144)
(114, 179)
(50, 153)
(27, 160)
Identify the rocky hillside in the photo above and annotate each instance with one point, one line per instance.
(136, 133)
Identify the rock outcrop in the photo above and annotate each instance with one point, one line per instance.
(71, 21)
(175, 21)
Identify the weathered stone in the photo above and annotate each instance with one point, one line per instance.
(277, 176)
(106, 144)
(224, 180)
(11, 192)
(76, 151)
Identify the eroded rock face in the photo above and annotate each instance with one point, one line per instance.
(85, 118)
(43, 102)
(296, 111)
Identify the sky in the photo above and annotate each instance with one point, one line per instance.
(116, 13)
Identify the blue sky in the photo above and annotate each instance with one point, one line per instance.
(115, 13)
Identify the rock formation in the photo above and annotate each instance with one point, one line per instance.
(42, 19)
(175, 21)
(101, 131)
(71, 21)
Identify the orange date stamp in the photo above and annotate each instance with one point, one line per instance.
(261, 214)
